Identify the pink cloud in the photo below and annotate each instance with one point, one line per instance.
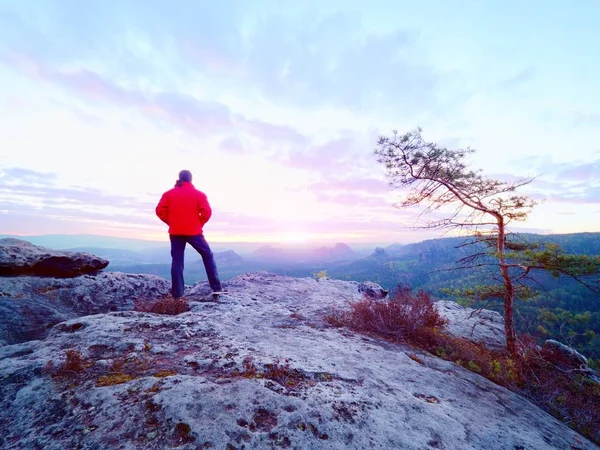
(582, 172)
(180, 110)
(232, 145)
(14, 102)
(334, 156)
(92, 85)
(270, 132)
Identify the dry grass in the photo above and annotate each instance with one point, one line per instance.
(401, 318)
(72, 364)
(167, 305)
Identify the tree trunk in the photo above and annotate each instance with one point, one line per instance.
(509, 324)
(509, 291)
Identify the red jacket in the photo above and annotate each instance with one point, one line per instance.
(185, 209)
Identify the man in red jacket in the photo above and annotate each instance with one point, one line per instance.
(185, 209)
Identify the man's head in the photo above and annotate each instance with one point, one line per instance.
(185, 175)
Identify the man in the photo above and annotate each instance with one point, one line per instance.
(185, 209)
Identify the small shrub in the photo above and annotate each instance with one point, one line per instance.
(284, 374)
(73, 364)
(167, 305)
(73, 361)
(402, 317)
(320, 275)
(473, 367)
(183, 433)
(337, 318)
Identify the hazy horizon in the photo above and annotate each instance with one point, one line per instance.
(91, 239)
(88, 240)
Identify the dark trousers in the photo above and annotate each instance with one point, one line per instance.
(177, 254)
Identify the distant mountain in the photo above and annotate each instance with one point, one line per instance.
(225, 260)
(266, 252)
(338, 252)
(228, 259)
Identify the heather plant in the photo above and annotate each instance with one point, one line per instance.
(320, 275)
(401, 318)
(73, 363)
(166, 305)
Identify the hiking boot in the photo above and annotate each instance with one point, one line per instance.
(220, 291)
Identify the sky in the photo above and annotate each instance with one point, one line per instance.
(276, 107)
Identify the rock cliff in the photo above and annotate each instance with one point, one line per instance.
(18, 257)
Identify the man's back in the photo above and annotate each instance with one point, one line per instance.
(185, 209)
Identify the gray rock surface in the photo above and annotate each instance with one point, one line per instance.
(30, 306)
(259, 369)
(479, 325)
(18, 257)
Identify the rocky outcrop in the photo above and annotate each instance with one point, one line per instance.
(570, 356)
(261, 368)
(569, 359)
(19, 257)
(372, 290)
(479, 325)
(30, 306)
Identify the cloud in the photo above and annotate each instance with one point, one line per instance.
(586, 118)
(232, 145)
(335, 60)
(519, 79)
(310, 59)
(270, 132)
(580, 172)
(21, 174)
(27, 190)
(90, 84)
(187, 113)
(574, 182)
(586, 195)
(342, 155)
(353, 192)
(182, 111)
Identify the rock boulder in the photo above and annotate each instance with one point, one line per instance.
(479, 325)
(30, 306)
(18, 257)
